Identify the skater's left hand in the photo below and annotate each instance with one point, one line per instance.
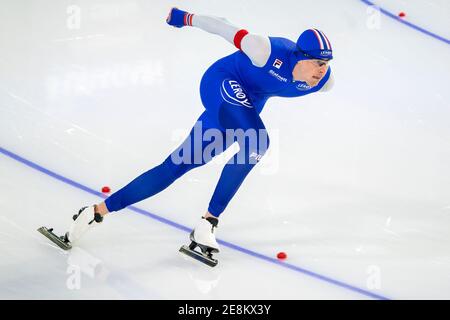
(176, 18)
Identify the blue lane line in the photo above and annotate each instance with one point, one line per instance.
(186, 229)
(409, 24)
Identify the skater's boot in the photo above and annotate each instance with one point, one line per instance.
(85, 220)
(203, 235)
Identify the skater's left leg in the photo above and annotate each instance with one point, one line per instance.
(250, 133)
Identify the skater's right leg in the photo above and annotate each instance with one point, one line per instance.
(101, 209)
(146, 185)
(190, 154)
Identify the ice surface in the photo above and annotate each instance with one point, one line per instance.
(357, 188)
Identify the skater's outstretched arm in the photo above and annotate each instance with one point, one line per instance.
(256, 47)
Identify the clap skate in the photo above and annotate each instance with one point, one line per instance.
(84, 220)
(203, 237)
(61, 241)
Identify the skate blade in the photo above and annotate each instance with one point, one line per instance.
(198, 256)
(54, 238)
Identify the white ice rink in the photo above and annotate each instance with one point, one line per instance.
(356, 189)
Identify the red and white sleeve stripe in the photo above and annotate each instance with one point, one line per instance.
(188, 19)
(238, 38)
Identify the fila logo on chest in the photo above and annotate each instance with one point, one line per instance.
(277, 63)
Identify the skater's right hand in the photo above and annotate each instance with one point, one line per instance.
(179, 18)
